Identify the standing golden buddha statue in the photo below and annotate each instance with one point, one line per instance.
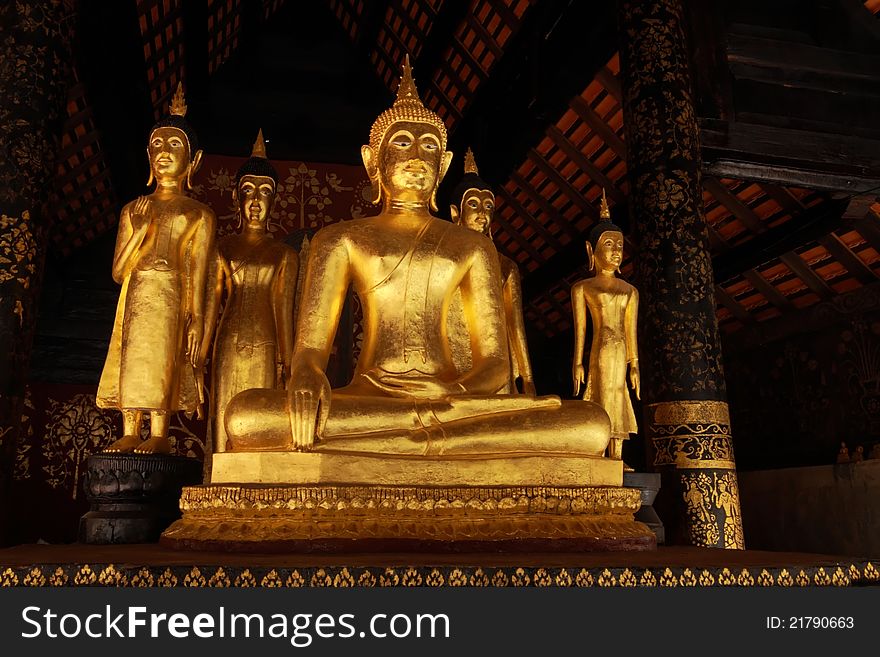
(473, 206)
(614, 306)
(407, 397)
(258, 275)
(154, 362)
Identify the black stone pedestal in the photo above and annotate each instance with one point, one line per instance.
(134, 497)
(648, 484)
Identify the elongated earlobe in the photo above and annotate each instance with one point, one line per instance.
(150, 164)
(193, 168)
(369, 159)
(454, 214)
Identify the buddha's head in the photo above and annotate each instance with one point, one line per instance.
(407, 158)
(173, 147)
(473, 202)
(605, 243)
(255, 187)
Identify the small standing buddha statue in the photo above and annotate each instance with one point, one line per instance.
(613, 306)
(257, 276)
(154, 363)
(473, 207)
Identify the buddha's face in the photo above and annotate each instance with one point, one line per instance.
(169, 154)
(609, 250)
(255, 197)
(477, 209)
(410, 161)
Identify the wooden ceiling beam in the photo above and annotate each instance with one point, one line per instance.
(791, 204)
(774, 296)
(845, 256)
(598, 125)
(517, 236)
(524, 214)
(505, 12)
(368, 34)
(547, 209)
(550, 58)
(869, 228)
(803, 271)
(583, 163)
(554, 303)
(787, 156)
(443, 28)
(784, 198)
(736, 207)
(810, 225)
(487, 39)
(406, 18)
(607, 79)
(717, 243)
(736, 309)
(562, 184)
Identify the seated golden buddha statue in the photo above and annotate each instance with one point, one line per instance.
(406, 397)
(473, 206)
(154, 362)
(256, 275)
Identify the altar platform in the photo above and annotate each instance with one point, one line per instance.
(149, 565)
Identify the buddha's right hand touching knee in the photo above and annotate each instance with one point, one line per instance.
(308, 397)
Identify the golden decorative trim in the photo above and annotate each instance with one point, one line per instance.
(703, 450)
(691, 434)
(690, 412)
(391, 501)
(273, 530)
(704, 464)
(113, 575)
(250, 515)
(713, 509)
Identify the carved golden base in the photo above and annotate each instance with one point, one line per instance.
(288, 467)
(310, 518)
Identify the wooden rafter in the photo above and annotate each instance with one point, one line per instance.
(527, 246)
(551, 213)
(804, 272)
(562, 184)
(772, 295)
(526, 216)
(807, 227)
(844, 255)
(597, 125)
(584, 164)
(735, 307)
(736, 207)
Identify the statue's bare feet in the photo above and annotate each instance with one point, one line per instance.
(124, 445)
(154, 445)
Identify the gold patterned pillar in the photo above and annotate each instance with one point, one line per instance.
(687, 421)
(34, 54)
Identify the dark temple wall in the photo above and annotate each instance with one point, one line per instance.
(800, 387)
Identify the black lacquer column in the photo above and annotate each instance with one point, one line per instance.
(686, 421)
(34, 56)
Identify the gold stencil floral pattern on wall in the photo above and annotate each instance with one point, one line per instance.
(18, 249)
(22, 467)
(76, 429)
